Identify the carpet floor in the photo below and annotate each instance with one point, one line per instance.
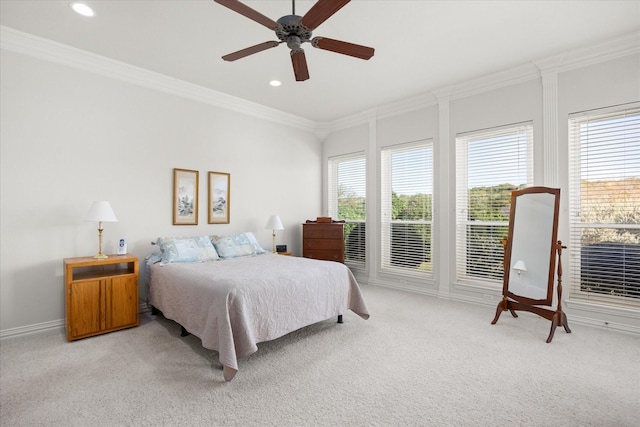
(418, 361)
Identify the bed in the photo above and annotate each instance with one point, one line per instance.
(233, 303)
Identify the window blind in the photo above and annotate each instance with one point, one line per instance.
(490, 164)
(347, 201)
(407, 207)
(604, 205)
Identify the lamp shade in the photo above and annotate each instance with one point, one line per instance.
(274, 223)
(519, 266)
(100, 212)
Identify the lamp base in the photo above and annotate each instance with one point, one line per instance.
(100, 254)
(273, 244)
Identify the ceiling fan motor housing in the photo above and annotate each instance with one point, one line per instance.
(290, 30)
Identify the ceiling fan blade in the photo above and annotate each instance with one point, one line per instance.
(245, 10)
(345, 48)
(321, 11)
(250, 51)
(299, 62)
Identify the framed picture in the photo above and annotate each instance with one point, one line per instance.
(185, 197)
(219, 197)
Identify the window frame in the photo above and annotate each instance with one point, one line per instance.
(333, 205)
(492, 276)
(577, 225)
(386, 206)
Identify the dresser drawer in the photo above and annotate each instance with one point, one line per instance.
(316, 231)
(331, 244)
(326, 255)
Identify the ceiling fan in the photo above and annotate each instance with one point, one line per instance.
(295, 30)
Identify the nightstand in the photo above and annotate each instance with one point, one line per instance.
(284, 253)
(101, 295)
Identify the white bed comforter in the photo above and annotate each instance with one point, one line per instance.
(232, 305)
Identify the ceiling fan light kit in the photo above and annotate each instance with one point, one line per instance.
(295, 30)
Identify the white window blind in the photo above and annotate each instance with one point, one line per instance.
(604, 204)
(490, 164)
(407, 207)
(347, 201)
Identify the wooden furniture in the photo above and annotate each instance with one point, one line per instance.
(531, 252)
(323, 240)
(101, 295)
(284, 253)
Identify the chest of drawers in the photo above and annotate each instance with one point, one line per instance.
(324, 241)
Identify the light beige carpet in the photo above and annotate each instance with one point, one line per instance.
(418, 361)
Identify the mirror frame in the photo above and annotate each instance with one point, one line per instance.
(552, 246)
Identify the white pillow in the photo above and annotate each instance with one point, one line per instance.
(186, 249)
(237, 245)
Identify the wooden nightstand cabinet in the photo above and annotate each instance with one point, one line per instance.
(101, 295)
(323, 241)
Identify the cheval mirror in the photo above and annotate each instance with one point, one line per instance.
(530, 257)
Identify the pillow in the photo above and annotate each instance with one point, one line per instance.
(186, 249)
(237, 245)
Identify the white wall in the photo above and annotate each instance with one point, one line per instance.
(69, 137)
(543, 95)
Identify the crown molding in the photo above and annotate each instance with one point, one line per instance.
(391, 109)
(41, 48)
(24, 43)
(494, 81)
(428, 99)
(607, 50)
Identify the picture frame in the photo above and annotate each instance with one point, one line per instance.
(219, 197)
(185, 197)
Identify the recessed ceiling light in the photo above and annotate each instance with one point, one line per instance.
(82, 9)
(275, 83)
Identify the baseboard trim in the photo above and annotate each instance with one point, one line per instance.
(48, 326)
(32, 329)
(571, 315)
(145, 308)
(597, 323)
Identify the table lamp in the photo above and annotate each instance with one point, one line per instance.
(274, 224)
(100, 212)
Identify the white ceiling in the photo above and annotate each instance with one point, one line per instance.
(420, 46)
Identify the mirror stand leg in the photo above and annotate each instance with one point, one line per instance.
(565, 324)
(559, 318)
(554, 325)
(503, 305)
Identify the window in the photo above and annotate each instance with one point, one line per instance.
(407, 207)
(490, 164)
(347, 201)
(604, 150)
